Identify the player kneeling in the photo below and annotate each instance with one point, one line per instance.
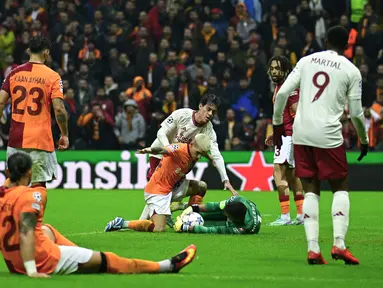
(241, 215)
(178, 160)
(28, 248)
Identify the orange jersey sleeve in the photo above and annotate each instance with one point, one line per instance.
(32, 86)
(172, 168)
(26, 200)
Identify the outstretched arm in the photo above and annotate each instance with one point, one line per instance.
(154, 150)
(3, 100)
(27, 243)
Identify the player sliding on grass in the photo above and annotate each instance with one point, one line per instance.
(241, 216)
(182, 126)
(178, 160)
(279, 68)
(29, 249)
(326, 80)
(33, 88)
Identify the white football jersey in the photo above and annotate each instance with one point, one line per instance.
(180, 127)
(326, 81)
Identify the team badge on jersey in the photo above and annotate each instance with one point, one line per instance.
(170, 120)
(37, 196)
(61, 86)
(173, 147)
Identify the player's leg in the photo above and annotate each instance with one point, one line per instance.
(196, 191)
(296, 185)
(306, 169)
(56, 236)
(81, 260)
(193, 189)
(283, 195)
(334, 168)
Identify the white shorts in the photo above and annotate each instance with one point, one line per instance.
(44, 164)
(286, 153)
(70, 258)
(180, 190)
(158, 203)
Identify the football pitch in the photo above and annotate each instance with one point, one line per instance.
(276, 257)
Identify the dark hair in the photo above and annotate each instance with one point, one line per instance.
(210, 99)
(285, 64)
(38, 44)
(236, 211)
(18, 164)
(337, 37)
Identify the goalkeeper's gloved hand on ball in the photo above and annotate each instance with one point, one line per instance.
(187, 211)
(179, 226)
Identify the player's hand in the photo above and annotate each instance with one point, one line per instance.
(178, 225)
(187, 211)
(269, 140)
(363, 151)
(279, 131)
(144, 151)
(227, 186)
(63, 143)
(39, 275)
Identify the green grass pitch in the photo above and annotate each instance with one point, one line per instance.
(274, 258)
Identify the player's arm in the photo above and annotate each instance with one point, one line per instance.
(168, 127)
(61, 115)
(354, 96)
(219, 163)
(4, 93)
(207, 207)
(291, 83)
(3, 100)
(209, 230)
(154, 150)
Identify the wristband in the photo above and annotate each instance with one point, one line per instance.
(30, 267)
(185, 228)
(195, 208)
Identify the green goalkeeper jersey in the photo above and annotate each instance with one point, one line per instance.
(252, 219)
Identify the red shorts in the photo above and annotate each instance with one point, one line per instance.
(320, 163)
(153, 165)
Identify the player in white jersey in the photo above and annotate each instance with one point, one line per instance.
(326, 79)
(181, 126)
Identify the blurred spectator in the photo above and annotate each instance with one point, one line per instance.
(142, 96)
(7, 43)
(130, 127)
(105, 103)
(169, 104)
(198, 63)
(98, 128)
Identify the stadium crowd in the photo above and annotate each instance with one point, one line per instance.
(127, 64)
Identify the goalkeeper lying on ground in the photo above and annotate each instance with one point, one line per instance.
(241, 216)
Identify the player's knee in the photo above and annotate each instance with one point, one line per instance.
(202, 188)
(159, 228)
(96, 264)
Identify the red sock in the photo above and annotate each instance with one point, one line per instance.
(197, 199)
(299, 203)
(119, 265)
(284, 201)
(60, 239)
(141, 225)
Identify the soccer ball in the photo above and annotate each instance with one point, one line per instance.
(193, 219)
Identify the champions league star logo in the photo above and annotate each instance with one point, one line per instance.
(256, 175)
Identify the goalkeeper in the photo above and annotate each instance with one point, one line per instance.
(241, 215)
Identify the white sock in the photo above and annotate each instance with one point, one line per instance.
(125, 224)
(311, 220)
(166, 266)
(340, 211)
(286, 216)
(145, 215)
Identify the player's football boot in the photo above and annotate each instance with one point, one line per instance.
(298, 220)
(184, 258)
(176, 206)
(114, 225)
(280, 222)
(316, 258)
(345, 255)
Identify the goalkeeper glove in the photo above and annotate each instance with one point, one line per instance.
(179, 226)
